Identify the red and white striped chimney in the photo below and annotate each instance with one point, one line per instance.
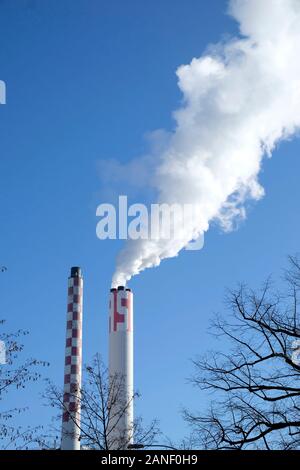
(70, 439)
(121, 366)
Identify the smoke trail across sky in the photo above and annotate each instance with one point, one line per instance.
(239, 100)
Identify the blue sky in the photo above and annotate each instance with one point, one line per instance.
(86, 81)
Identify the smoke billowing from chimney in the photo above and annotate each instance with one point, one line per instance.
(239, 100)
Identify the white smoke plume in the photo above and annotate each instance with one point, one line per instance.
(239, 101)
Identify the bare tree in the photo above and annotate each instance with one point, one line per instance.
(15, 374)
(256, 383)
(99, 413)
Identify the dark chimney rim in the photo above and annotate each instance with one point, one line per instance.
(76, 271)
(120, 288)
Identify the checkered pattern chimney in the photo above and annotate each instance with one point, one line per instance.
(70, 439)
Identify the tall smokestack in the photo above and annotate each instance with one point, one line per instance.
(70, 439)
(121, 366)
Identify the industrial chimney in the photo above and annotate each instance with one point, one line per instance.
(121, 367)
(70, 439)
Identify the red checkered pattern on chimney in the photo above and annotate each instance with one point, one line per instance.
(73, 354)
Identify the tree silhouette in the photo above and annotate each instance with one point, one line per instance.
(99, 414)
(257, 383)
(14, 374)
